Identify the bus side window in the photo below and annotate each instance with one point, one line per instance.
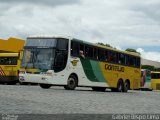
(132, 61)
(89, 51)
(158, 76)
(95, 52)
(62, 44)
(74, 49)
(128, 62)
(106, 55)
(102, 55)
(121, 58)
(113, 57)
(86, 51)
(81, 48)
(137, 62)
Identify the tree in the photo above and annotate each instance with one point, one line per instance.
(107, 45)
(148, 67)
(157, 69)
(131, 50)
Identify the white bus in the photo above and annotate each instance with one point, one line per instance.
(57, 61)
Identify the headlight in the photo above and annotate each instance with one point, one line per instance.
(21, 78)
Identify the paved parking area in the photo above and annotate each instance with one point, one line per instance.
(33, 99)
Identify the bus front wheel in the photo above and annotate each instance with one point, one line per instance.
(71, 83)
(45, 86)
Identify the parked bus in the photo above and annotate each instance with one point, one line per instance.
(12, 45)
(9, 67)
(10, 54)
(155, 80)
(70, 62)
(145, 79)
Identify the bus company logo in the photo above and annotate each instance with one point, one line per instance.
(74, 62)
(1, 71)
(114, 68)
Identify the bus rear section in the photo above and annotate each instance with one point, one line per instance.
(9, 68)
(155, 80)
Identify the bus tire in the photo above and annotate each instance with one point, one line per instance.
(45, 86)
(126, 86)
(102, 89)
(120, 86)
(72, 83)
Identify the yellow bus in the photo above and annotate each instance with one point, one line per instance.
(69, 62)
(10, 51)
(155, 80)
(12, 45)
(9, 67)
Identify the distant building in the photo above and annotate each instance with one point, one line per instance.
(150, 62)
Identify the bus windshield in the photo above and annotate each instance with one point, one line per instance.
(40, 58)
(45, 53)
(155, 75)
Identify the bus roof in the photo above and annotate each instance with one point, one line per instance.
(48, 36)
(145, 70)
(155, 71)
(11, 45)
(9, 54)
(85, 42)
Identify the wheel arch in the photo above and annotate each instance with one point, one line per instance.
(120, 79)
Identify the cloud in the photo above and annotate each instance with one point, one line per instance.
(118, 23)
(154, 56)
(149, 8)
(40, 2)
(7, 5)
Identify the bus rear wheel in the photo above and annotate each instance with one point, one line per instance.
(102, 89)
(72, 83)
(45, 86)
(126, 86)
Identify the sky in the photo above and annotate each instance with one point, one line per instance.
(120, 23)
